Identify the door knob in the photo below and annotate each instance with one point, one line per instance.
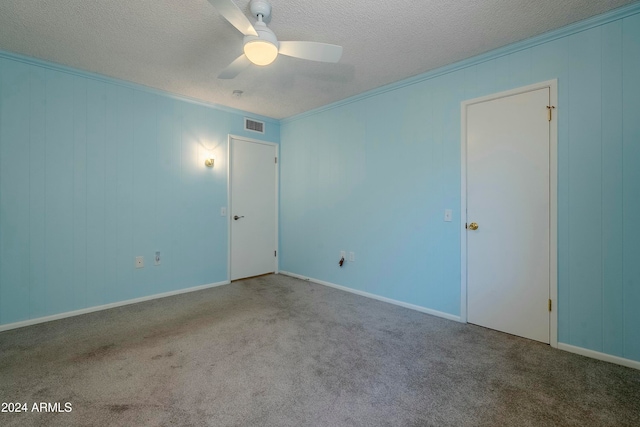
(236, 217)
(473, 226)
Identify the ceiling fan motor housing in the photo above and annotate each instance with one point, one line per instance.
(264, 33)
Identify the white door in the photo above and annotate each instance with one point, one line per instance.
(508, 198)
(253, 208)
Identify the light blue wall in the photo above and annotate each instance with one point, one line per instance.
(374, 175)
(94, 172)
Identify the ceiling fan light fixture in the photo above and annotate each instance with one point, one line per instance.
(261, 46)
(260, 52)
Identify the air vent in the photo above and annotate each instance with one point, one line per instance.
(253, 125)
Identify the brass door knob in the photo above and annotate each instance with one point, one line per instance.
(473, 226)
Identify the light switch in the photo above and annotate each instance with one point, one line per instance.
(223, 211)
(448, 213)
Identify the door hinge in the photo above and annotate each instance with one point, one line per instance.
(275, 253)
(549, 305)
(276, 160)
(549, 109)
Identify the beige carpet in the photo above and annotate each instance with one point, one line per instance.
(277, 351)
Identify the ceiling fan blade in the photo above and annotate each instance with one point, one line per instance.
(235, 68)
(234, 15)
(313, 51)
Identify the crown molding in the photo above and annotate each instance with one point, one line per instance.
(605, 18)
(135, 86)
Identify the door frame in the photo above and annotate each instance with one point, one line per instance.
(230, 201)
(553, 199)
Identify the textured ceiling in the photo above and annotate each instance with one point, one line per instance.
(180, 46)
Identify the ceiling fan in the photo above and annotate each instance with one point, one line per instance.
(260, 45)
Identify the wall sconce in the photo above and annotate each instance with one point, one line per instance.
(208, 163)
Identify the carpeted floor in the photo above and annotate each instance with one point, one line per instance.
(278, 351)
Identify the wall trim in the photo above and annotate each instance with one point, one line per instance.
(600, 356)
(376, 297)
(124, 83)
(594, 21)
(73, 313)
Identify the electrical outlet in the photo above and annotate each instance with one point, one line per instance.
(139, 262)
(352, 257)
(156, 259)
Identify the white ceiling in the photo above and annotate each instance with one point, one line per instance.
(180, 46)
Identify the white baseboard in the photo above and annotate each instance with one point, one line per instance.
(600, 356)
(377, 297)
(30, 322)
